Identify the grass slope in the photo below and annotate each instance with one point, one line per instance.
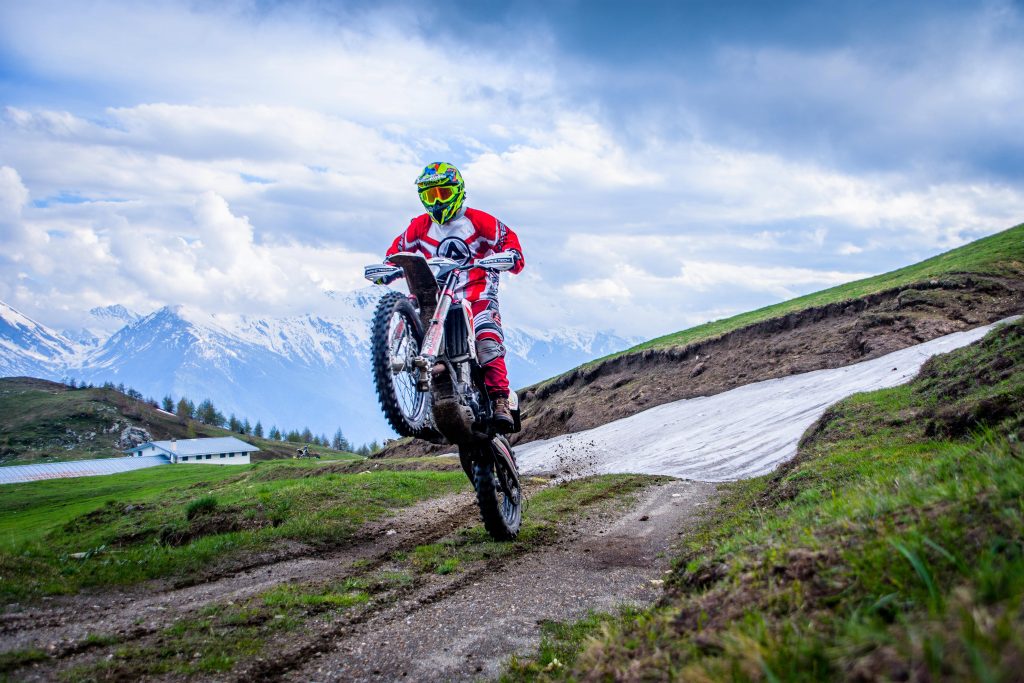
(43, 421)
(58, 536)
(1001, 254)
(890, 548)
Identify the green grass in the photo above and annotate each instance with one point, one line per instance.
(349, 593)
(890, 548)
(562, 642)
(61, 535)
(1001, 254)
(30, 509)
(14, 659)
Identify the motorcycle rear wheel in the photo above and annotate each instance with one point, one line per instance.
(396, 336)
(499, 496)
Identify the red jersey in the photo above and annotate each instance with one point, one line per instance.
(469, 236)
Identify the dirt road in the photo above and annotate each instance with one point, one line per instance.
(459, 625)
(465, 630)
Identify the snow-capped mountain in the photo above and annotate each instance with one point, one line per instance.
(104, 321)
(292, 372)
(536, 355)
(28, 348)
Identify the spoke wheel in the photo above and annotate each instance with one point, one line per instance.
(396, 337)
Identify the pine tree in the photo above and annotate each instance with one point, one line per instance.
(257, 431)
(245, 427)
(307, 435)
(206, 413)
(275, 433)
(168, 404)
(339, 442)
(185, 408)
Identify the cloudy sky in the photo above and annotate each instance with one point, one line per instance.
(665, 163)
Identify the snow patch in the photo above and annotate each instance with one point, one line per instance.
(742, 433)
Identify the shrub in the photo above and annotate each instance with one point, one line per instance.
(200, 506)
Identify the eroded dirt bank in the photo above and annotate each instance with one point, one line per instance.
(823, 337)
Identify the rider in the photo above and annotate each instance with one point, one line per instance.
(455, 231)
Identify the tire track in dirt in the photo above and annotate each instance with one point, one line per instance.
(466, 627)
(458, 626)
(62, 629)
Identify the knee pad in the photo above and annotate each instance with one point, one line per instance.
(489, 350)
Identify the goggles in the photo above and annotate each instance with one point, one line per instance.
(433, 195)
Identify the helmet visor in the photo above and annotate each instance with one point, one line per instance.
(433, 195)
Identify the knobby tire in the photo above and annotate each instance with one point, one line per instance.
(501, 518)
(407, 425)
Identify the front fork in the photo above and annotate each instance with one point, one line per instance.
(432, 340)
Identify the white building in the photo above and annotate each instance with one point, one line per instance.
(226, 450)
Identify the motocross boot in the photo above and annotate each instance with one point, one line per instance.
(503, 421)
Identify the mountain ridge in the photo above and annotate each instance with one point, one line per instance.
(292, 371)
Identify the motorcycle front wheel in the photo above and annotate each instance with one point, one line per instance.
(395, 339)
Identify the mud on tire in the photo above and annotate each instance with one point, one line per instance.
(395, 338)
(499, 497)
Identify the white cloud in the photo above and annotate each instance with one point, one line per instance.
(246, 161)
(373, 66)
(935, 98)
(13, 194)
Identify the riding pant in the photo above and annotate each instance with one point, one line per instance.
(490, 349)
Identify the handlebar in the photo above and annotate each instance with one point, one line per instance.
(385, 273)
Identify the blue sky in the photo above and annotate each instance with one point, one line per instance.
(665, 163)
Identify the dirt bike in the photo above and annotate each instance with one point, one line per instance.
(430, 384)
(304, 452)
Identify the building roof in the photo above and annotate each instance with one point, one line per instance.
(222, 444)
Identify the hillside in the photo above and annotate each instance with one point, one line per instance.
(43, 421)
(889, 549)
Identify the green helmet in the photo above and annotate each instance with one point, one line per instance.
(442, 191)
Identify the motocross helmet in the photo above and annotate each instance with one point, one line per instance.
(441, 190)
